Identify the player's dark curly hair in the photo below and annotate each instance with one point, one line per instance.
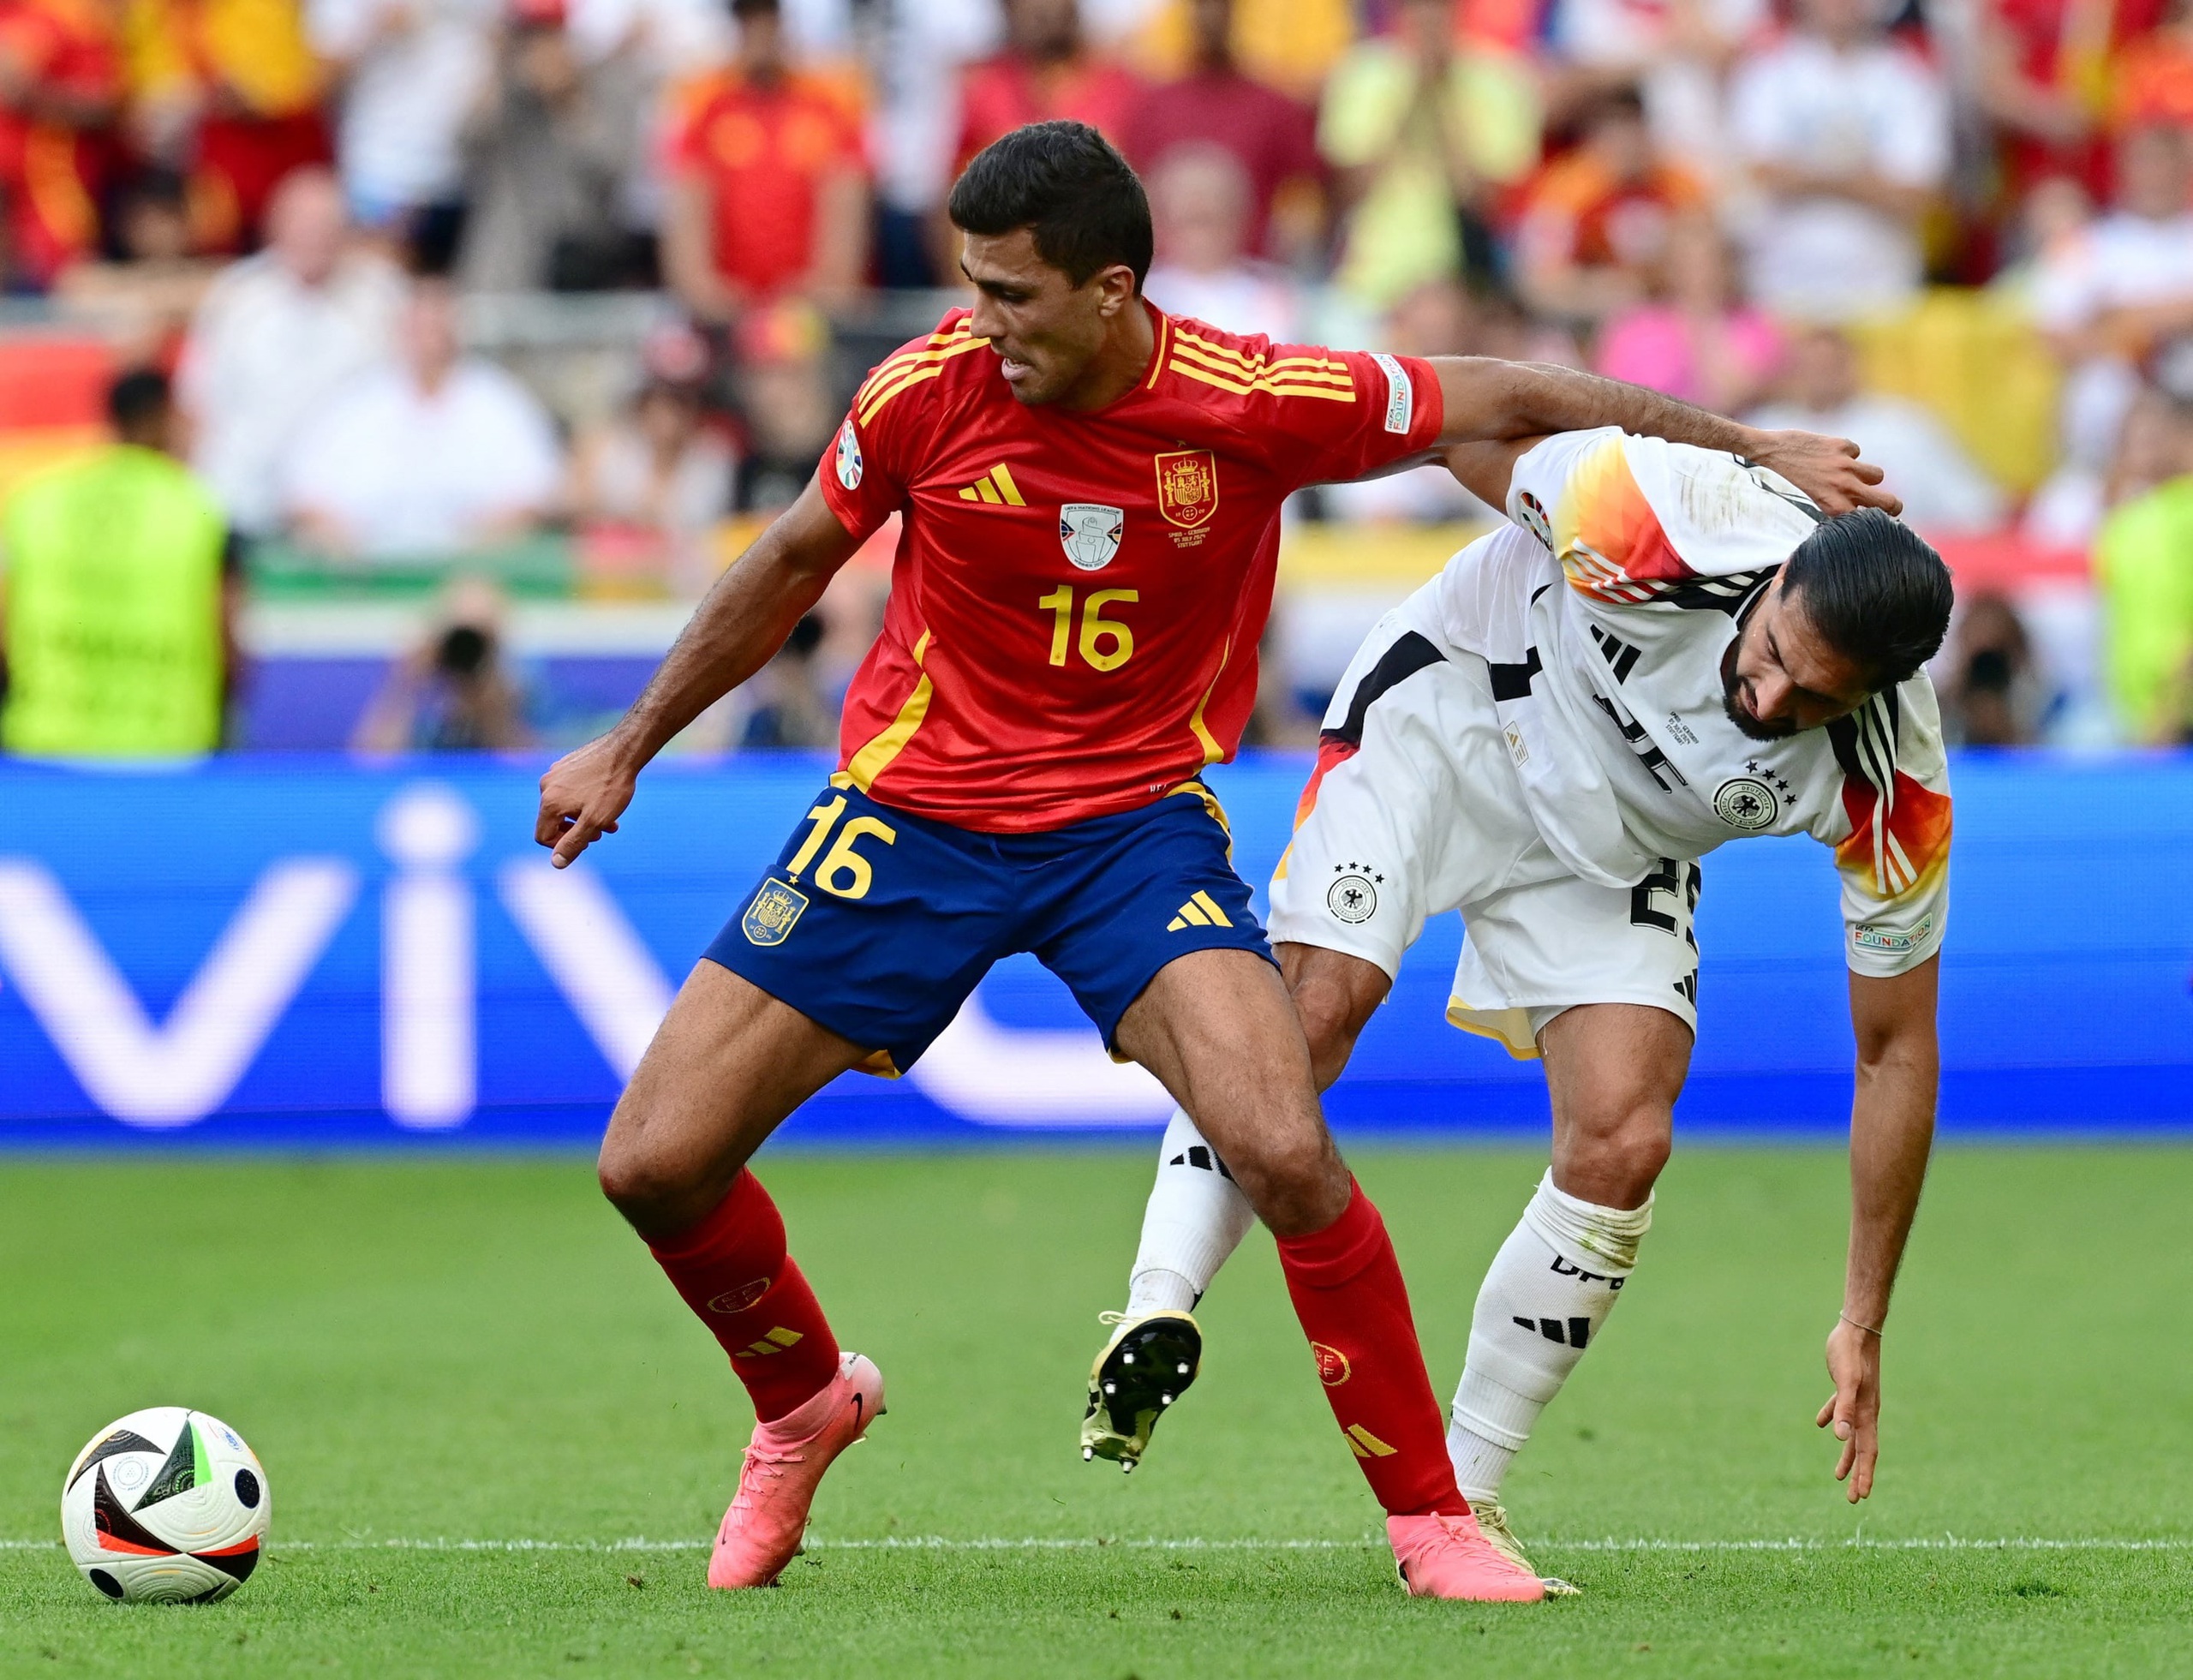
(1875, 592)
(1066, 184)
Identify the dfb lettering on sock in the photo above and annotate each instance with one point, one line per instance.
(1544, 1302)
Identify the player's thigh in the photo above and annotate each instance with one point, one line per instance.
(1613, 1070)
(1602, 982)
(855, 950)
(1411, 811)
(1218, 1030)
(727, 1065)
(1145, 919)
(873, 922)
(1335, 996)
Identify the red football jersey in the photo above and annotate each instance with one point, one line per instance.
(1077, 598)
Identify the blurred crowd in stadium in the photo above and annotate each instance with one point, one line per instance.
(560, 298)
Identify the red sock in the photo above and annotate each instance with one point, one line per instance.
(1348, 1291)
(733, 1271)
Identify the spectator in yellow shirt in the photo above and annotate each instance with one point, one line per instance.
(233, 88)
(1424, 132)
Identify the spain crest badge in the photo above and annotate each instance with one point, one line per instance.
(1187, 486)
(774, 911)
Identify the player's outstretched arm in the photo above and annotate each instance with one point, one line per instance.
(1891, 1132)
(739, 625)
(1488, 400)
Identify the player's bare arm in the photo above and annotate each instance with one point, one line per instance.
(1891, 1132)
(1491, 401)
(736, 629)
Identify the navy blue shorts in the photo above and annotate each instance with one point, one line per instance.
(878, 925)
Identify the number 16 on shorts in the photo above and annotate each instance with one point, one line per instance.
(843, 872)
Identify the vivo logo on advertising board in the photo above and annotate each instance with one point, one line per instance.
(173, 1071)
(316, 952)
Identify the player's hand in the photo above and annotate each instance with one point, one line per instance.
(582, 797)
(1854, 1364)
(1827, 469)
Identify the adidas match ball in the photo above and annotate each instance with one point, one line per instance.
(165, 1506)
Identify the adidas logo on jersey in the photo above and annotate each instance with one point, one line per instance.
(996, 487)
(1202, 912)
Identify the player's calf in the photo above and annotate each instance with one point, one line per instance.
(1544, 1302)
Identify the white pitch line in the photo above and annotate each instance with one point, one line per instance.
(946, 1543)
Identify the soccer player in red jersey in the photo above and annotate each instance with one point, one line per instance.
(1090, 492)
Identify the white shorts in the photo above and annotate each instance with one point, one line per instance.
(1414, 809)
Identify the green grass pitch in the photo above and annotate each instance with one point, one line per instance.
(475, 1352)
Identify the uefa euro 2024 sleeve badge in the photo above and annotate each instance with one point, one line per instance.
(1090, 533)
(850, 467)
(770, 919)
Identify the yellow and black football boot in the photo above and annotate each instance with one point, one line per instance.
(1146, 1367)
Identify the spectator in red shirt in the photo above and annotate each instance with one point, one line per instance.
(2044, 77)
(1275, 138)
(60, 90)
(1597, 220)
(2152, 77)
(1045, 73)
(769, 193)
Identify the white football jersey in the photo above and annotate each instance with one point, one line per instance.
(1606, 630)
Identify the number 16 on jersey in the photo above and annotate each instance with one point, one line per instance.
(1096, 631)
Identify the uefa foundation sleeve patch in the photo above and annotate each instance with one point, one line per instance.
(1400, 395)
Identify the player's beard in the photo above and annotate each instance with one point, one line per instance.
(1732, 704)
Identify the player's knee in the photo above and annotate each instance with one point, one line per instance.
(648, 1187)
(1615, 1156)
(1291, 1180)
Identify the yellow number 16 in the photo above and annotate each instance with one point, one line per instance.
(843, 870)
(1096, 629)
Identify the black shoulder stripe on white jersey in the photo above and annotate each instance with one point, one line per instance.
(1648, 752)
(1797, 499)
(1410, 654)
(1732, 595)
(1513, 682)
(1620, 656)
(1865, 743)
(1848, 736)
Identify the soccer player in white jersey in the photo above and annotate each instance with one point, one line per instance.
(1669, 648)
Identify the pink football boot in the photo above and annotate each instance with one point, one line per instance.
(785, 1463)
(1447, 1558)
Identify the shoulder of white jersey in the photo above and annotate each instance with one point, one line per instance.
(1865, 741)
(1197, 359)
(1721, 512)
(1639, 522)
(1895, 794)
(918, 363)
(1897, 730)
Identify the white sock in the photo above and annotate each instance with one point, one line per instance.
(1197, 1216)
(1544, 1302)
